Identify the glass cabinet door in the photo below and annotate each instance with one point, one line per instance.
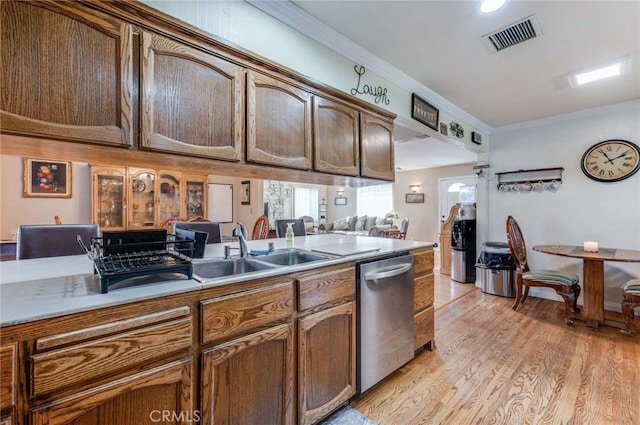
(142, 200)
(196, 197)
(108, 198)
(170, 196)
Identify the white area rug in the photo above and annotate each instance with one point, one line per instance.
(347, 416)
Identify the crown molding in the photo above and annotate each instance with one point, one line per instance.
(295, 17)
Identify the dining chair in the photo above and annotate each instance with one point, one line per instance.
(52, 240)
(298, 227)
(565, 284)
(169, 222)
(199, 219)
(309, 224)
(261, 228)
(210, 227)
(630, 300)
(401, 233)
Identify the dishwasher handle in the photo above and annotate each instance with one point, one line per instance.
(388, 272)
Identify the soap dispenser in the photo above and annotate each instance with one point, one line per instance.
(289, 235)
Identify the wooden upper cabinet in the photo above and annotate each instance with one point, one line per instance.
(336, 135)
(192, 102)
(376, 147)
(67, 73)
(279, 123)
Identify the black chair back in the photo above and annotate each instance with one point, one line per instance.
(38, 241)
(210, 227)
(298, 227)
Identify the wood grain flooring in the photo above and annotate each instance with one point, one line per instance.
(493, 365)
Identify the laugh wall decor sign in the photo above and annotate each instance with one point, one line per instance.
(378, 93)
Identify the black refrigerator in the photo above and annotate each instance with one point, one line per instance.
(463, 251)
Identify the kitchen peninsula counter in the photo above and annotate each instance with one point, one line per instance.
(262, 343)
(49, 287)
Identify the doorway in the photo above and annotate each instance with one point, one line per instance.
(450, 188)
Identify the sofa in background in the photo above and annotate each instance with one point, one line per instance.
(360, 225)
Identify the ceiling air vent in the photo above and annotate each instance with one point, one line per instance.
(513, 34)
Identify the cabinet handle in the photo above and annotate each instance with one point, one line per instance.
(388, 272)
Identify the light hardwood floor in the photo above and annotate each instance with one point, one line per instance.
(493, 365)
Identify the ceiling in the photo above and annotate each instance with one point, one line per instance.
(439, 44)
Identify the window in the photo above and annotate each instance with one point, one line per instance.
(375, 200)
(305, 202)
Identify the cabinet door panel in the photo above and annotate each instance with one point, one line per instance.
(376, 147)
(91, 360)
(195, 197)
(250, 380)
(279, 126)
(67, 73)
(8, 373)
(108, 197)
(336, 136)
(246, 311)
(136, 399)
(424, 295)
(424, 327)
(326, 288)
(192, 102)
(423, 261)
(326, 361)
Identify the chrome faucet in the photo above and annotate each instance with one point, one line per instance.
(241, 233)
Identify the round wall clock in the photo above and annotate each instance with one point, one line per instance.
(611, 160)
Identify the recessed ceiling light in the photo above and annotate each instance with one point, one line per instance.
(614, 69)
(489, 6)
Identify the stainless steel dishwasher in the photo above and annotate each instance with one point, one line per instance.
(385, 318)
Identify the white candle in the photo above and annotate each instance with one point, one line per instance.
(590, 246)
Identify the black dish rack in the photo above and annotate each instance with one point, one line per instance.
(118, 256)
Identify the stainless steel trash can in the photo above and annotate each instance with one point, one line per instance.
(496, 270)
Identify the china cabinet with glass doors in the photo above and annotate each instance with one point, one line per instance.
(137, 198)
(109, 197)
(142, 198)
(195, 196)
(169, 196)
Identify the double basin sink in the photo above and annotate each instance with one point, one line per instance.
(213, 269)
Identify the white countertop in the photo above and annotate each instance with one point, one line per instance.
(55, 286)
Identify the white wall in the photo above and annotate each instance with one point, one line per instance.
(582, 209)
(424, 220)
(16, 210)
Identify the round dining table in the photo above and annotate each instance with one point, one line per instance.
(592, 275)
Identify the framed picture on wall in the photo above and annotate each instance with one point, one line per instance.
(46, 178)
(414, 198)
(340, 201)
(423, 111)
(245, 192)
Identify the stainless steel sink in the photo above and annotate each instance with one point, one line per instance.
(230, 267)
(289, 257)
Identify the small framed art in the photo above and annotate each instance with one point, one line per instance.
(414, 198)
(245, 192)
(423, 111)
(47, 179)
(340, 201)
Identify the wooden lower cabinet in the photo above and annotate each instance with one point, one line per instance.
(8, 354)
(424, 327)
(249, 380)
(147, 397)
(326, 361)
